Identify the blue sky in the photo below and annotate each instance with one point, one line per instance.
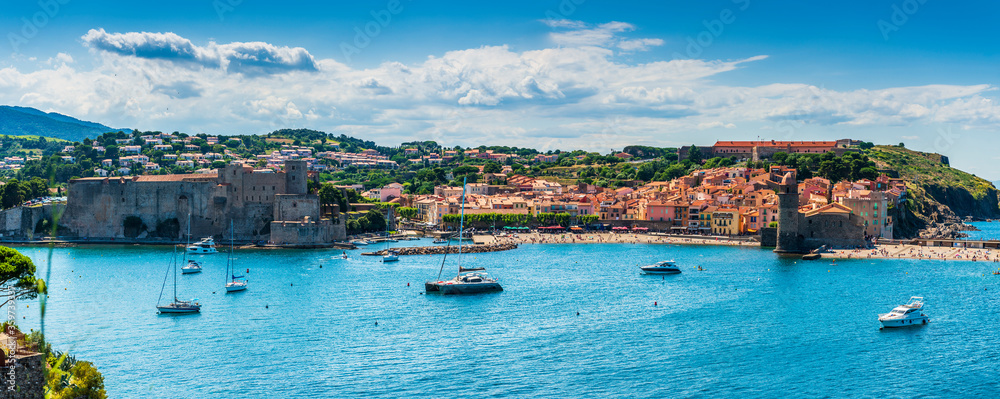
(548, 74)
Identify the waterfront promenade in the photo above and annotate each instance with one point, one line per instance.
(612, 238)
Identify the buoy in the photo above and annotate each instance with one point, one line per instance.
(291, 284)
(376, 323)
(320, 266)
(265, 307)
(577, 313)
(654, 303)
(407, 284)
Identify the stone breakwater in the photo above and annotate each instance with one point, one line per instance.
(451, 249)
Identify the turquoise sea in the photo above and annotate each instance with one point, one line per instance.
(751, 325)
(987, 231)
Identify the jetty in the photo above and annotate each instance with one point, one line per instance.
(439, 250)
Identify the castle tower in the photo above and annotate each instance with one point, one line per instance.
(789, 240)
(295, 177)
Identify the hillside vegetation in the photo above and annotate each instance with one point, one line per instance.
(21, 121)
(938, 192)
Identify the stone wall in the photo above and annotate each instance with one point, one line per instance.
(98, 207)
(29, 378)
(836, 230)
(19, 222)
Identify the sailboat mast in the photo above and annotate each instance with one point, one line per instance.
(461, 226)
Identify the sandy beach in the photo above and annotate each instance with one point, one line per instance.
(917, 252)
(879, 252)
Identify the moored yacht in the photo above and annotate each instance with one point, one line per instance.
(192, 267)
(360, 243)
(469, 280)
(390, 256)
(664, 267)
(205, 246)
(905, 315)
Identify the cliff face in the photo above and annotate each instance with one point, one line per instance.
(940, 197)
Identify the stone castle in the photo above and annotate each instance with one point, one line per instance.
(800, 232)
(263, 206)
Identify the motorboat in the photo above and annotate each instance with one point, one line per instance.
(360, 243)
(469, 281)
(205, 246)
(391, 256)
(192, 267)
(664, 267)
(440, 241)
(905, 315)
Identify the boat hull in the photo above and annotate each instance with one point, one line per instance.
(236, 288)
(661, 270)
(169, 309)
(468, 288)
(897, 323)
(190, 271)
(201, 251)
(390, 259)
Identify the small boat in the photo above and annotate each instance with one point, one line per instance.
(235, 283)
(811, 256)
(177, 306)
(360, 243)
(205, 246)
(905, 315)
(191, 268)
(469, 280)
(440, 241)
(664, 267)
(392, 256)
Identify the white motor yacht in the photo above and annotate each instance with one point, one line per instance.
(905, 315)
(205, 246)
(360, 243)
(192, 267)
(664, 267)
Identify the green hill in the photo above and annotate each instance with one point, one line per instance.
(939, 194)
(23, 121)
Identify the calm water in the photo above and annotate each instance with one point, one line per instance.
(987, 231)
(752, 324)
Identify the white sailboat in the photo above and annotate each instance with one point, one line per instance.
(390, 256)
(469, 280)
(177, 306)
(234, 283)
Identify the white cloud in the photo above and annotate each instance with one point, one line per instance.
(249, 58)
(607, 35)
(910, 137)
(568, 97)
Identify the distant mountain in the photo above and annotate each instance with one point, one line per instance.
(20, 121)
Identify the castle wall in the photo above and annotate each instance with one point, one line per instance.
(836, 230)
(296, 207)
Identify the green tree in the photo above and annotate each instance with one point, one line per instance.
(694, 154)
(492, 167)
(18, 271)
(12, 195)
